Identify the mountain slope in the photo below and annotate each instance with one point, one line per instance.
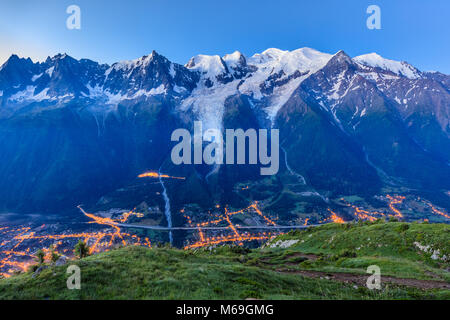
(347, 126)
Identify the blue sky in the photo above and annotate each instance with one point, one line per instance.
(416, 31)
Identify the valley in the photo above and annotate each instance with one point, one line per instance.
(325, 262)
(89, 145)
(250, 226)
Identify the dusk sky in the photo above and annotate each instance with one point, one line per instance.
(416, 31)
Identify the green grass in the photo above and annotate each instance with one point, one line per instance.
(239, 273)
(353, 247)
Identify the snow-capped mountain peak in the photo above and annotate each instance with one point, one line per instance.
(129, 65)
(204, 84)
(213, 69)
(303, 59)
(400, 68)
(269, 78)
(234, 59)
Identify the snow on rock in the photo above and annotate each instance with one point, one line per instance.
(208, 103)
(363, 113)
(41, 95)
(397, 67)
(109, 98)
(36, 76)
(23, 95)
(172, 71)
(49, 71)
(161, 89)
(179, 89)
(268, 78)
(211, 68)
(303, 59)
(289, 68)
(30, 95)
(131, 64)
(234, 59)
(208, 98)
(274, 74)
(128, 66)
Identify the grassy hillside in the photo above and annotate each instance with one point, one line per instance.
(399, 249)
(267, 273)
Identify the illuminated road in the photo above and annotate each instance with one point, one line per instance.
(161, 228)
(126, 225)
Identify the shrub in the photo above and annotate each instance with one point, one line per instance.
(402, 227)
(81, 249)
(346, 253)
(240, 250)
(250, 294)
(218, 290)
(249, 282)
(306, 264)
(294, 233)
(32, 268)
(40, 256)
(253, 262)
(54, 256)
(340, 261)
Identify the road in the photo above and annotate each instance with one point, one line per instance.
(127, 225)
(160, 228)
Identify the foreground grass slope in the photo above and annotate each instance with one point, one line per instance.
(407, 250)
(267, 273)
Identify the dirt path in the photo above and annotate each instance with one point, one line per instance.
(361, 279)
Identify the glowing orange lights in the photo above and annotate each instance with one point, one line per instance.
(234, 236)
(335, 218)
(220, 227)
(15, 259)
(255, 207)
(362, 214)
(152, 174)
(393, 200)
(436, 210)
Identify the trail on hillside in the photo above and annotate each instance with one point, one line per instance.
(361, 279)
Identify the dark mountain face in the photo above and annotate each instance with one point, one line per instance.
(16, 72)
(373, 125)
(74, 131)
(318, 149)
(59, 157)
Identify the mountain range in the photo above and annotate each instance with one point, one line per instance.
(77, 131)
